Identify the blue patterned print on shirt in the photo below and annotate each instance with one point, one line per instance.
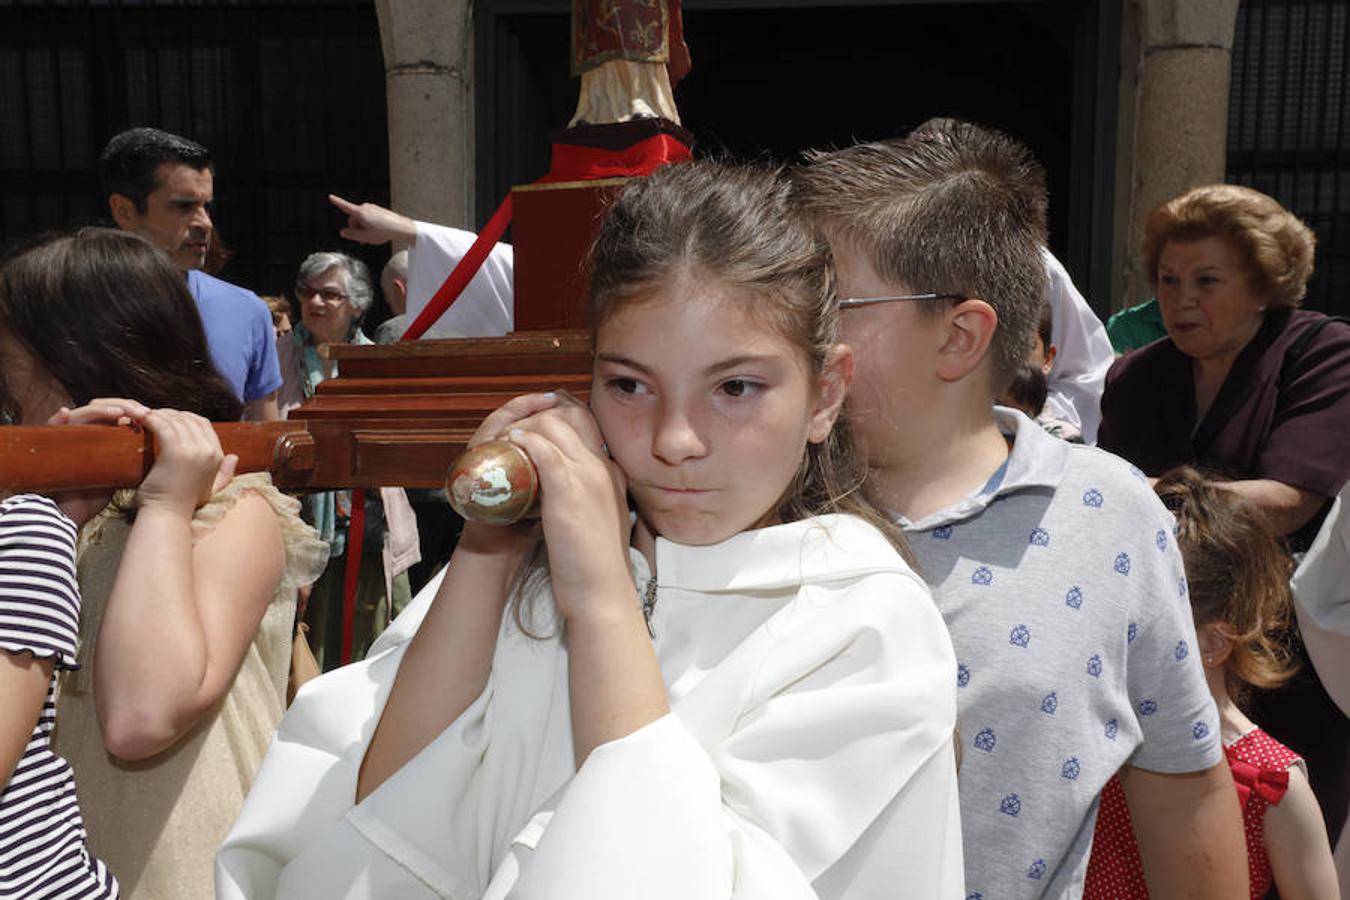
(975, 896)
(1021, 636)
(1074, 598)
(1050, 704)
(942, 533)
(1200, 730)
(1182, 651)
(1037, 870)
(1039, 538)
(1070, 769)
(1147, 707)
(1122, 564)
(1131, 633)
(1160, 539)
(982, 576)
(962, 675)
(985, 740)
(1094, 665)
(1112, 729)
(1011, 805)
(1093, 497)
(1181, 587)
(1138, 473)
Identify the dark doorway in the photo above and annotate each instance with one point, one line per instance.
(287, 94)
(769, 82)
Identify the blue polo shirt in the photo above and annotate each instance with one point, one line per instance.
(239, 332)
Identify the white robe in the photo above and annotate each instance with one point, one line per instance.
(485, 308)
(808, 752)
(1078, 377)
(1321, 586)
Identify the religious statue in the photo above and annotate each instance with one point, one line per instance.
(629, 54)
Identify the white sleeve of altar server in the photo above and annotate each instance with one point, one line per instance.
(1322, 600)
(485, 308)
(1074, 391)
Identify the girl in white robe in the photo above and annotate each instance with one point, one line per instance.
(742, 691)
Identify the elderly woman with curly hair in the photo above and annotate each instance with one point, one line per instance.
(1245, 384)
(1248, 386)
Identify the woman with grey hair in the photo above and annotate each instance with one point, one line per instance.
(333, 291)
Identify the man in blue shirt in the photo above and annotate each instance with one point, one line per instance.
(161, 186)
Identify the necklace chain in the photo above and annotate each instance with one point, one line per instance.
(649, 604)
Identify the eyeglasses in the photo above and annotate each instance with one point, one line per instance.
(852, 302)
(329, 295)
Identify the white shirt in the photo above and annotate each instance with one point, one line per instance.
(485, 308)
(1321, 586)
(1074, 388)
(808, 752)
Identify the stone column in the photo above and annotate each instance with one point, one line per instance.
(1181, 112)
(428, 67)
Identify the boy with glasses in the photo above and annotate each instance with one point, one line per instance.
(1053, 564)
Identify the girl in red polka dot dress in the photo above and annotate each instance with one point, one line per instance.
(1238, 578)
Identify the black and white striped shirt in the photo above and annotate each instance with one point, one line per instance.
(43, 851)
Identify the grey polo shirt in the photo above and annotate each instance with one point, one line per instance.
(1064, 592)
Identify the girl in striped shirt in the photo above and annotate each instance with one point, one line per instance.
(43, 852)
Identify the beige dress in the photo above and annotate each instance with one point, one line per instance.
(157, 822)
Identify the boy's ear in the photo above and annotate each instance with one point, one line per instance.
(1050, 353)
(835, 377)
(970, 327)
(123, 211)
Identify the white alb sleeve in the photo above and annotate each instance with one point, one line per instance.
(1079, 374)
(485, 308)
(1322, 601)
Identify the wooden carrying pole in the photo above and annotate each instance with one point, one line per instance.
(399, 415)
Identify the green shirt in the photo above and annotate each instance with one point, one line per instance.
(1132, 328)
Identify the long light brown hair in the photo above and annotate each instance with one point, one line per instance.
(1237, 571)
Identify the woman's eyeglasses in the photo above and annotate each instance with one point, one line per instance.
(329, 295)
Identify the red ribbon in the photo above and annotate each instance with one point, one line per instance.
(462, 273)
(1269, 784)
(356, 529)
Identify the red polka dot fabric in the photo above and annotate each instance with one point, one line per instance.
(1260, 765)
